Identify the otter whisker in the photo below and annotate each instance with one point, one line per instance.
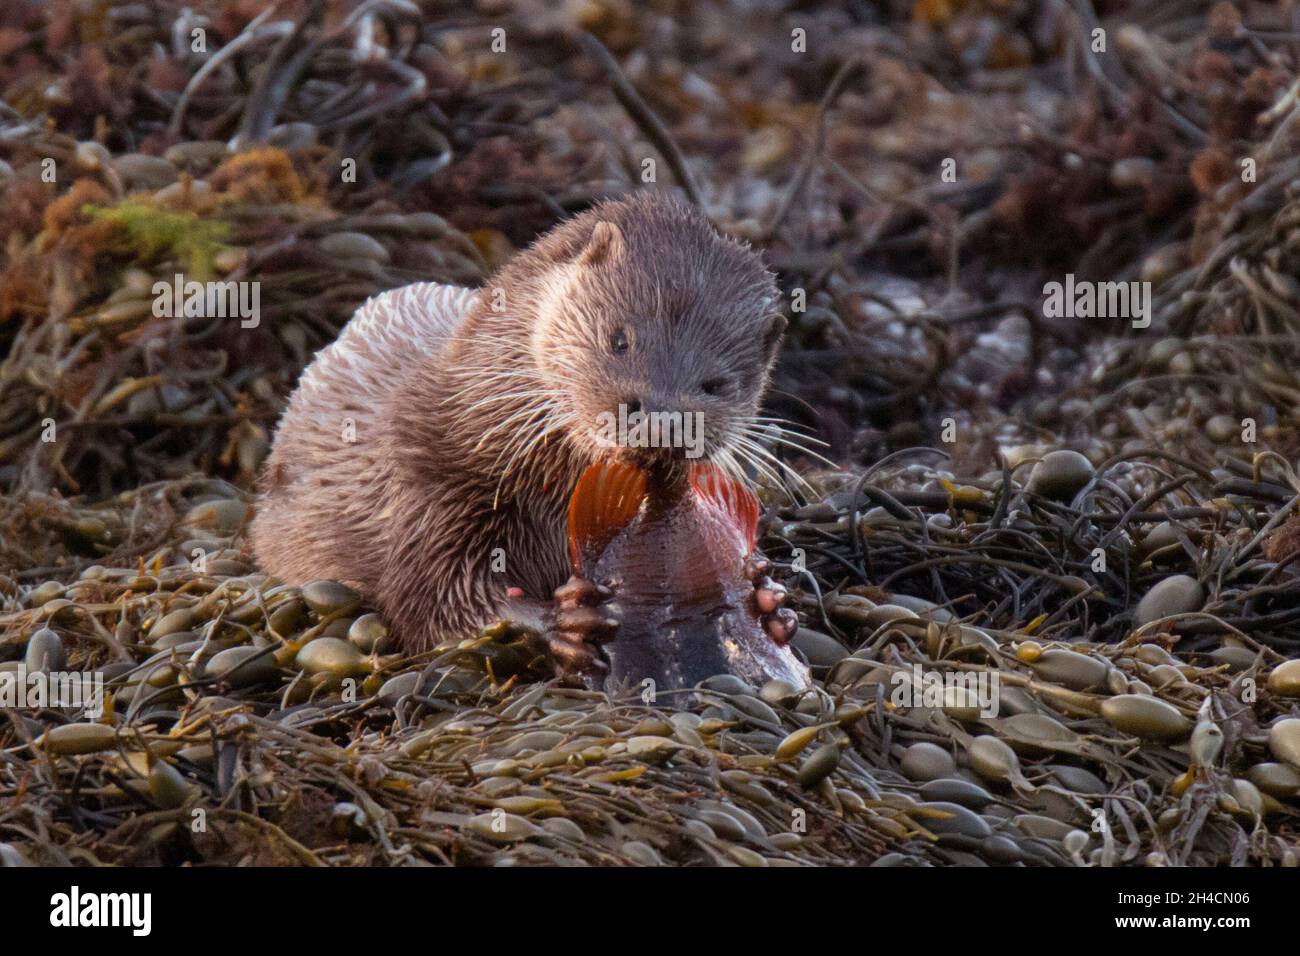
(757, 455)
(547, 424)
(538, 393)
(746, 455)
(524, 416)
(539, 440)
(757, 448)
(564, 363)
(787, 427)
(518, 426)
(762, 435)
(480, 383)
(727, 461)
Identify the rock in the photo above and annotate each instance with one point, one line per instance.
(330, 597)
(926, 761)
(1284, 741)
(1060, 475)
(331, 655)
(820, 650)
(369, 634)
(1178, 594)
(1285, 679)
(141, 171)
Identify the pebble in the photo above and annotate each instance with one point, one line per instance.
(44, 593)
(1146, 717)
(369, 634)
(242, 666)
(82, 738)
(1276, 779)
(779, 693)
(331, 655)
(291, 136)
(820, 650)
(1060, 475)
(728, 684)
(926, 761)
(1284, 680)
(353, 245)
(1070, 668)
(1222, 429)
(956, 790)
(1079, 780)
(503, 827)
(1284, 741)
(330, 597)
(957, 819)
(1237, 658)
(196, 153)
(1178, 594)
(182, 619)
(45, 652)
(141, 171)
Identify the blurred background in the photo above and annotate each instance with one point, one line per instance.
(917, 173)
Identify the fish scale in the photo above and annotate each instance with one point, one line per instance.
(673, 550)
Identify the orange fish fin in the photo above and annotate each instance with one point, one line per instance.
(605, 500)
(729, 496)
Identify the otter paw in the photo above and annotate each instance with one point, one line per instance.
(780, 623)
(577, 628)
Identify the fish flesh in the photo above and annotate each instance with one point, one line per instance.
(672, 547)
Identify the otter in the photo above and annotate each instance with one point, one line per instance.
(427, 456)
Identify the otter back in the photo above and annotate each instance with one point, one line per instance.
(326, 439)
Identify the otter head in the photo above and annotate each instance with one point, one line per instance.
(656, 332)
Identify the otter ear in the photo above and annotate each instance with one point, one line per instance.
(605, 245)
(772, 337)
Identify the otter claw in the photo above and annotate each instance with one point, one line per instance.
(579, 592)
(578, 627)
(780, 623)
(768, 595)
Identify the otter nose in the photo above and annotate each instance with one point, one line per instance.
(650, 404)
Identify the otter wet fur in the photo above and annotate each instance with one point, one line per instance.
(427, 457)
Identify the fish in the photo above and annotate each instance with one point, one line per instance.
(672, 547)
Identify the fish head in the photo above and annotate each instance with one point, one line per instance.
(685, 516)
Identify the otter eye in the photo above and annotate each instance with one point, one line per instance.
(715, 386)
(618, 342)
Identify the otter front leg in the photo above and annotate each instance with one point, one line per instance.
(578, 628)
(780, 623)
